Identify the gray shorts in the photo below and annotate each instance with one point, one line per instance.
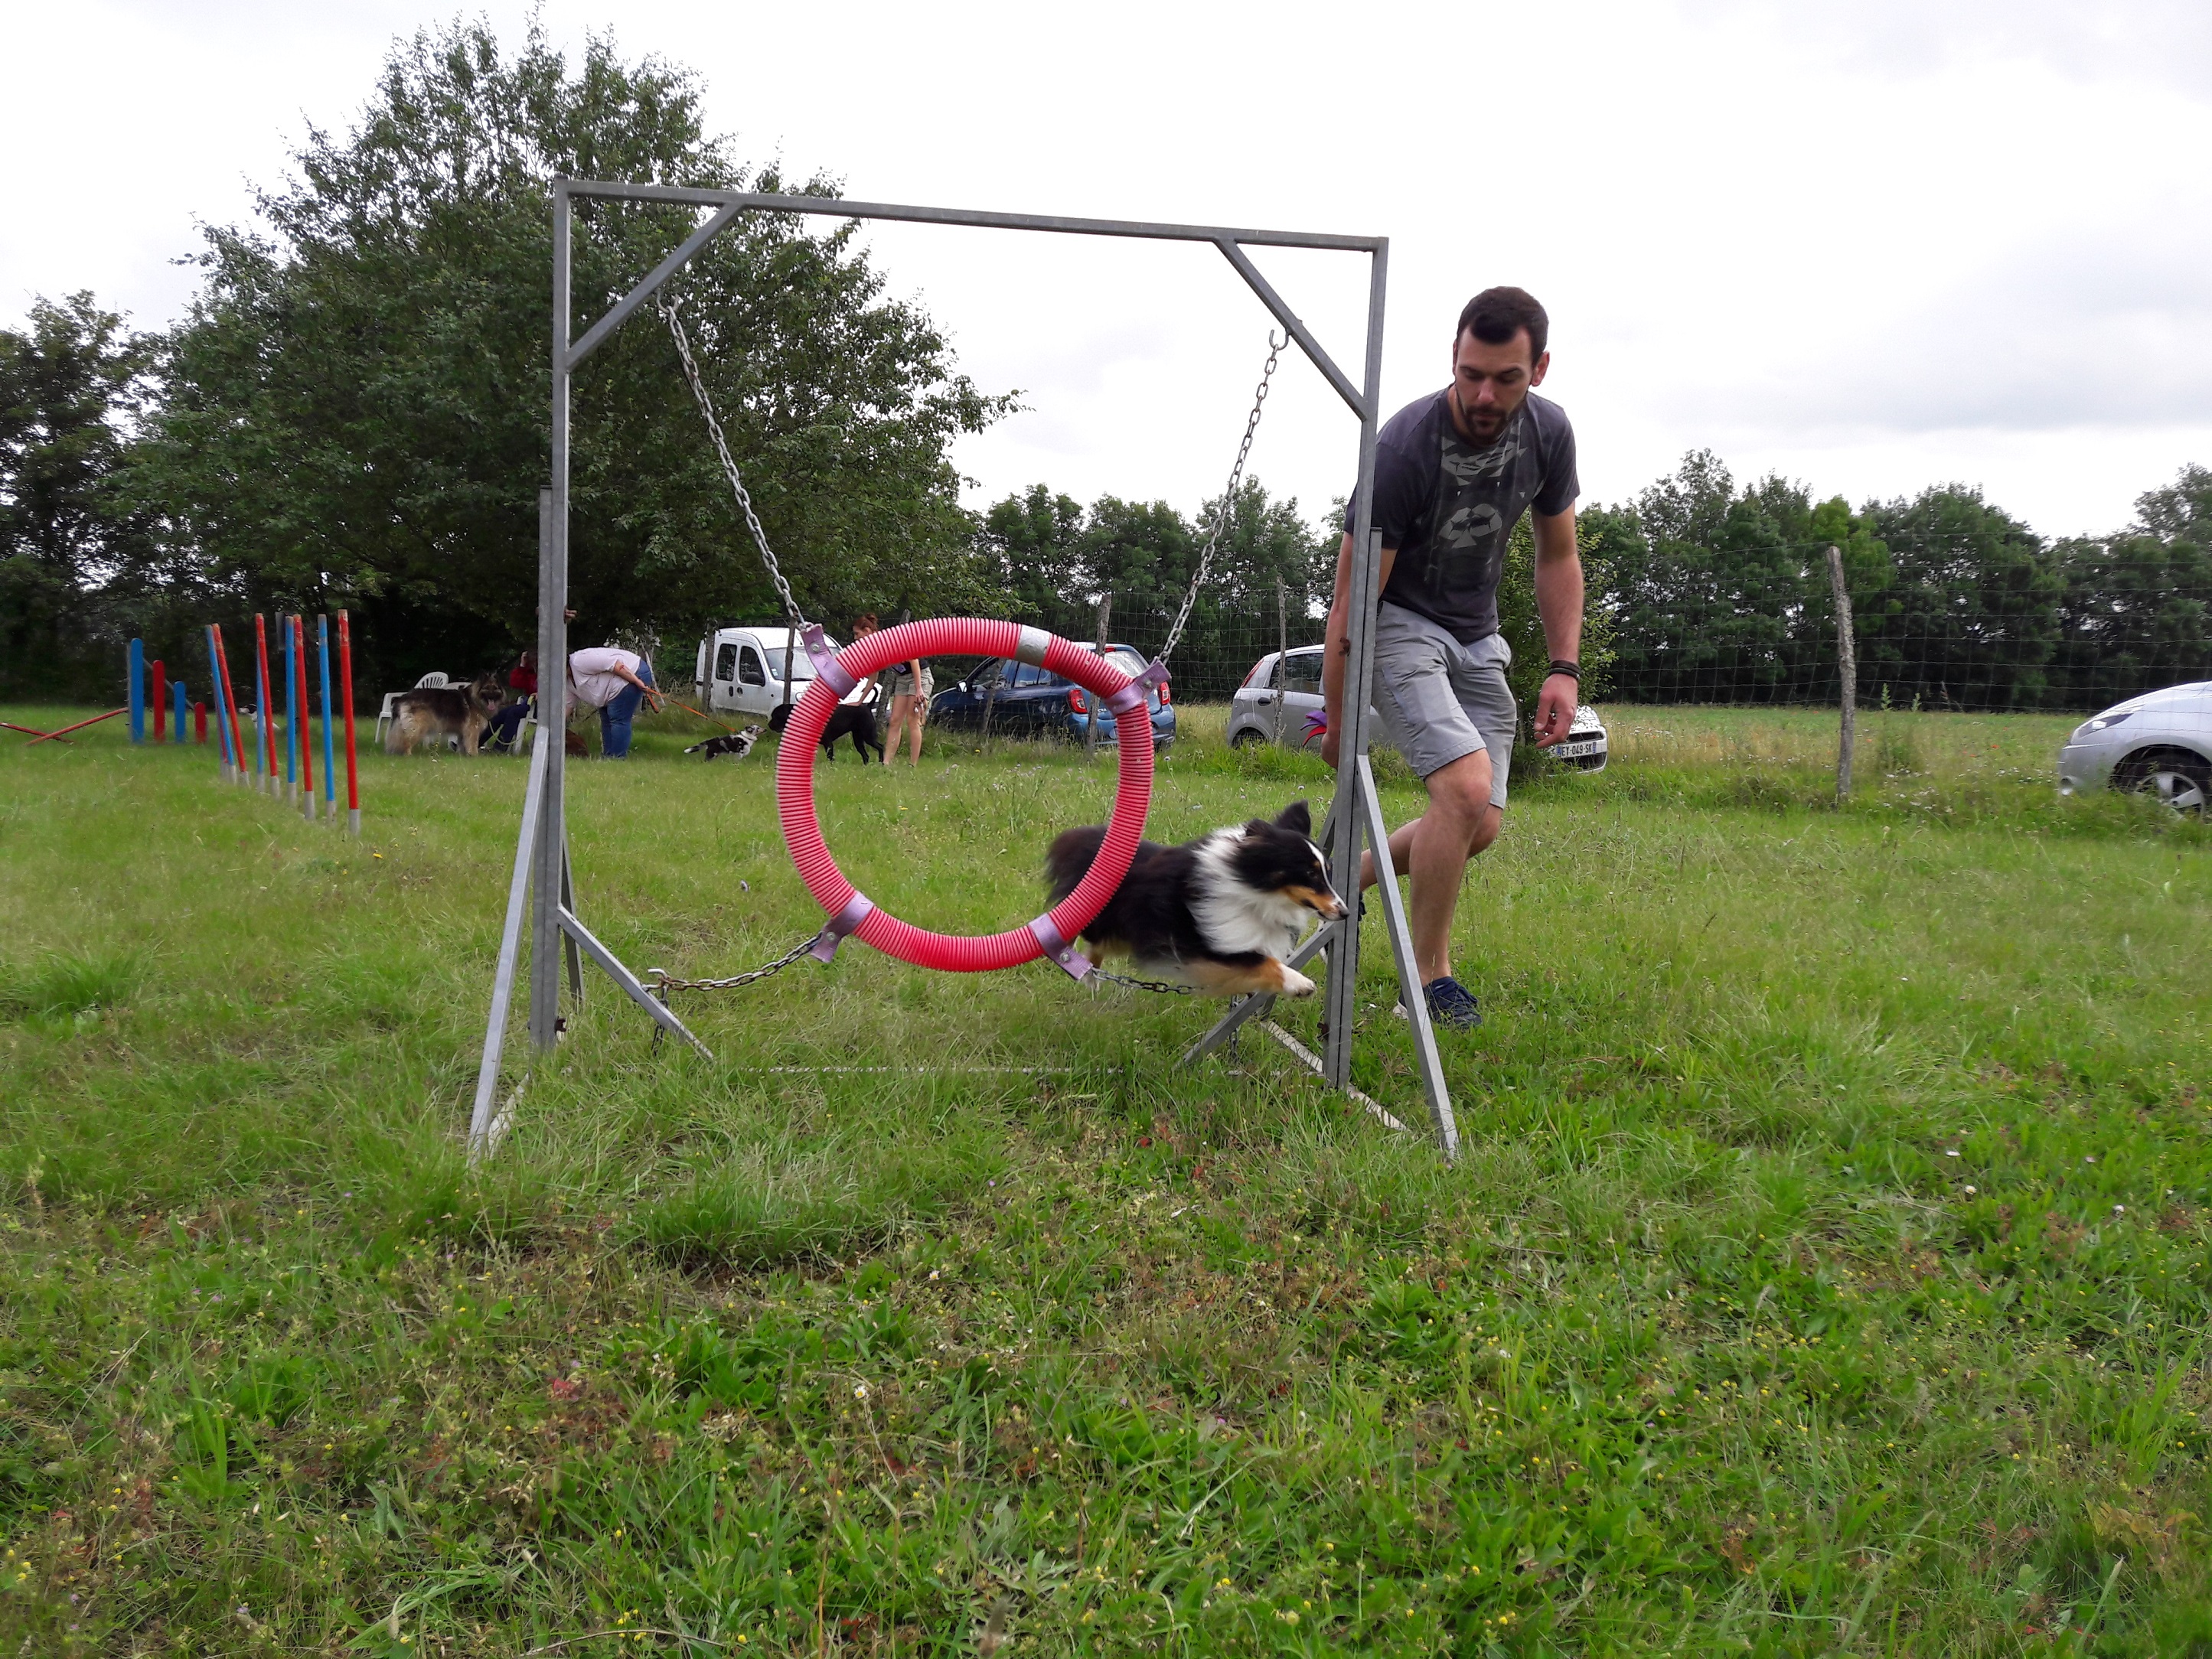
(1439, 699)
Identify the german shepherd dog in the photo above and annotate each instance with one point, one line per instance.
(856, 721)
(433, 713)
(1220, 913)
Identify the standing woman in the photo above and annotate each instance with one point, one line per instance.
(910, 689)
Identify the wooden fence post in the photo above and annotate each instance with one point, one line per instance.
(1282, 658)
(1847, 675)
(1091, 698)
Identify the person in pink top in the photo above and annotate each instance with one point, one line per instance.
(614, 682)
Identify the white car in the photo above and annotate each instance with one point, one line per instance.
(2159, 743)
(739, 670)
(1284, 686)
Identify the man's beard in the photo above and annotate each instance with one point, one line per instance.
(1484, 428)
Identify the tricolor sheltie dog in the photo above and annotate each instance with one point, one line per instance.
(1220, 913)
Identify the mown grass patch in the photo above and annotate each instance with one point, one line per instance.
(1827, 1270)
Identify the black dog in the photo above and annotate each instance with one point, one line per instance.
(856, 721)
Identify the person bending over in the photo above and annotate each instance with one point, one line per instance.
(614, 682)
(1454, 471)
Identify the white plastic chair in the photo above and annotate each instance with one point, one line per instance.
(432, 681)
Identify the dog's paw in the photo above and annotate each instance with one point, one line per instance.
(1296, 984)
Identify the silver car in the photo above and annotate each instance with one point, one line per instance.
(1277, 695)
(2159, 743)
(1285, 687)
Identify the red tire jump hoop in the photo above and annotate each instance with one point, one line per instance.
(1053, 934)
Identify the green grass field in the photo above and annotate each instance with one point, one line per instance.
(1826, 1271)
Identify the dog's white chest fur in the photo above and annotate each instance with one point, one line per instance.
(1235, 917)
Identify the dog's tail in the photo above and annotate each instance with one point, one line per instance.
(1069, 857)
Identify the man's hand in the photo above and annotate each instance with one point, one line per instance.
(1328, 739)
(1555, 708)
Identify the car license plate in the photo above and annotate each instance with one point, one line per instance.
(1576, 751)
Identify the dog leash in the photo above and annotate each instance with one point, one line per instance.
(689, 709)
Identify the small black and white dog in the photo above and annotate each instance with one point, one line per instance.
(1220, 913)
(736, 744)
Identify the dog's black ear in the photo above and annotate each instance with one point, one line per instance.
(1296, 819)
(780, 717)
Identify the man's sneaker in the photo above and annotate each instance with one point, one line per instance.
(1450, 1007)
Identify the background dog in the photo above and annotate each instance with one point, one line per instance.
(442, 711)
(736, 744)
(1220, 913)
(856, 721)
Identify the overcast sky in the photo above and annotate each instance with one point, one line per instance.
(1872, 245)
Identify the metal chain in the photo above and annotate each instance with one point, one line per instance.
(668, 314)
(1157, 985)
(664, 981)
(1228, 496)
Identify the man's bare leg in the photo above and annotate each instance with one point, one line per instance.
(1434, 850)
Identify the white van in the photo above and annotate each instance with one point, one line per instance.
(739, 670)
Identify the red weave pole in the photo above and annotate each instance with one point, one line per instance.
(345, 689)
(200, 722)
(267, 715)
(958, 637)
(161, 676)
(48, 737)
(230, 703)
(299, 681)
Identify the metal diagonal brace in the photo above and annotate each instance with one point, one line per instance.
(510, 951)
(1409, 975)
(611, 966)
(1258, 1002)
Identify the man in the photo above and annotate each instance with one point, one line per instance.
(613, 682)
(1454, 471)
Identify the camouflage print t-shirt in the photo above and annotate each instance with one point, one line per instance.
(1447, 506)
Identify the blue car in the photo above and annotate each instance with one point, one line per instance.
(1027, 700)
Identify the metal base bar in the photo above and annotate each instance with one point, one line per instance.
(1251, 1007)
(1307, 1058)
(610, 964)
(1361, 805)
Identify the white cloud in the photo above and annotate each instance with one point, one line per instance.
(1882, 245)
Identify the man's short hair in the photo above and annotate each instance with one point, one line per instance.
(866, 619)
(1497, 315)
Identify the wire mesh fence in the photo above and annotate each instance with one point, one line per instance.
(2070, 627)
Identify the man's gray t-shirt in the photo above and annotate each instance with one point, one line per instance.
(1448, 508)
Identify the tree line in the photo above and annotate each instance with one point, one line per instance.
(352, 412)
(1716, 593)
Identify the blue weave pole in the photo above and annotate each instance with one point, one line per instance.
(291, 711)
(330, 761)
(138, 691)
(177, 687)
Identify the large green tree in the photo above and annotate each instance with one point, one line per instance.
(81, 565)
(357, 403)
(1054, 558)
(2135, 611)
(1972, 618)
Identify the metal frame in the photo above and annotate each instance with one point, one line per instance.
(542, 884)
